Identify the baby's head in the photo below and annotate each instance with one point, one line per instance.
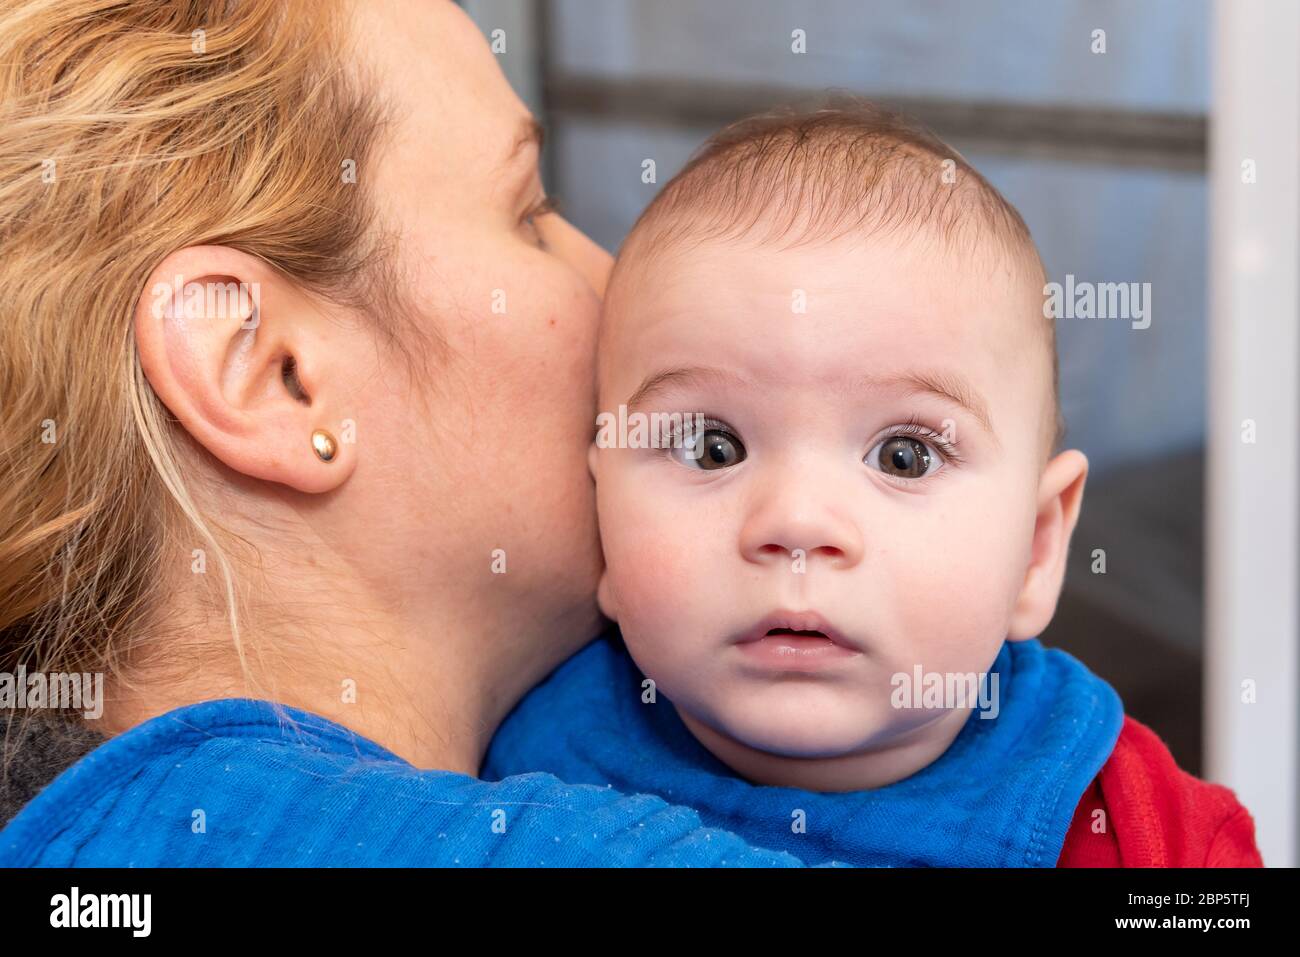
(858, 317)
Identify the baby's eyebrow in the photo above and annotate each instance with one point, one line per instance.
(945, 385)
(680, 378)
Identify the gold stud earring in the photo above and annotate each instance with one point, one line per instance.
(324, 445)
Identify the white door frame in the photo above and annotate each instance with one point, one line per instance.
(1252, 533)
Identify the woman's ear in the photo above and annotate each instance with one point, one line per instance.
(243, 359)
(1060, 496)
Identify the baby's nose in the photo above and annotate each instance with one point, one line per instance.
(790, 530)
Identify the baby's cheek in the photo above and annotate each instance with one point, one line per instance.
(665, 612)
(957, 593)
(661, 566)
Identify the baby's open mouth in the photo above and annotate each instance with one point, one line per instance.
(799, 632)
(795, 640)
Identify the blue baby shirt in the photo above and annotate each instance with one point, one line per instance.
(231, 783)
(1002, 795)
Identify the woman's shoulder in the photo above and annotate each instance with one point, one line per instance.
(584, 721)
(238, 782)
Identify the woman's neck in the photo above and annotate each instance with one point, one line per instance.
(432, 696)
(341, 620)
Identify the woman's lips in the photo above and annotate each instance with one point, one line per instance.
(795, 641)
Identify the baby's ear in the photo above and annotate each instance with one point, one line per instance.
(605, 597)
(1060, 496)
(604, 593)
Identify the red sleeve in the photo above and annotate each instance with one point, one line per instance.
(1234, 843)
(1090, 841)
(1154, 814)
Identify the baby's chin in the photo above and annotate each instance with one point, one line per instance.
(808, 723)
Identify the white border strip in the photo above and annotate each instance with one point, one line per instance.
(1252, 534)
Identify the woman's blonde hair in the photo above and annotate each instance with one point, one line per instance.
(129, 130)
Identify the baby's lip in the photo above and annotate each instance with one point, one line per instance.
(798, 621)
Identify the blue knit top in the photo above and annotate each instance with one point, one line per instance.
(239, 782)
(1002, 795)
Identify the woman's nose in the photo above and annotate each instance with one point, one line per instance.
(790, 525)
(589, 259)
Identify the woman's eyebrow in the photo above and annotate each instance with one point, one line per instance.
(530, 131)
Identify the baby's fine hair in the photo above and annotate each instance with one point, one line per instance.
(843, 167)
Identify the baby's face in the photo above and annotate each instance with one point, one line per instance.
(839, 492)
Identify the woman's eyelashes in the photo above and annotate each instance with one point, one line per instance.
(543, 207)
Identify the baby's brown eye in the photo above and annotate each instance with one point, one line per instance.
(904, 457)
(711, 450)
